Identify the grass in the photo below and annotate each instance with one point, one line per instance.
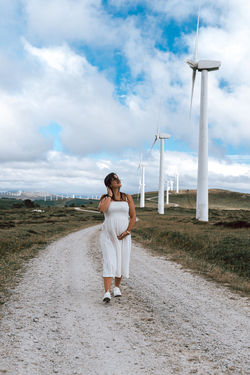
(218, 199)
(24, 233)
(219, 249)
(7, 203)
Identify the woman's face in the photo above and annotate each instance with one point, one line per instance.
(116, 182)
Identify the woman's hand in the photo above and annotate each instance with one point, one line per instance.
(123, 235)
(109, 192)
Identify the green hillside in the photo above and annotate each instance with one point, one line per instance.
(218, 249)
(219, 199)
(8, 203)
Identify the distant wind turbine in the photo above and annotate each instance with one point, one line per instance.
(171, 185)
(167, 193)
(161, 137)
(203, 66)
(139, 189)
(177, 183)
(142, 183)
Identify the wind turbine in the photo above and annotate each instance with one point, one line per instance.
(142, 183)
(177, 183)
(167, 193)
(161, 137)
(139, 189)
(203, 66)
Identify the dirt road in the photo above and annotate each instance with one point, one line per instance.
(167, 321)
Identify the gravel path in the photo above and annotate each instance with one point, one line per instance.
(167, 321)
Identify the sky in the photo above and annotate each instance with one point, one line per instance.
(84, 84)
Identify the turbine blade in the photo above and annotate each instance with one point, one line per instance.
(154, 142)
(193, 64)
(158, 128)
(197, 37)
(192, 91)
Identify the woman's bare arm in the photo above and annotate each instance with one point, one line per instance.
(132, 213)
(104, 203)
(132, 216)
(105, 200)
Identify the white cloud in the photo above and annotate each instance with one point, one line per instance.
(54, 21)
(61, 173)
(51, 82)
(71, 92)
(166, 79)
(223, 36)
(59, 58)
(20, 139)
(104, 164)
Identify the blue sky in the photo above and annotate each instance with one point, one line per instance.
(84, 84)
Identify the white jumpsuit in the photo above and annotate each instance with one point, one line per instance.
(116, 253)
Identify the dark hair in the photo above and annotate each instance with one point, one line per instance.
(108, 179)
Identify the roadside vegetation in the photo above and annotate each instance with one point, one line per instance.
(25, 230)
(218, 250)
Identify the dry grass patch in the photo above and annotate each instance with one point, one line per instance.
(23, 233)
(219, 249)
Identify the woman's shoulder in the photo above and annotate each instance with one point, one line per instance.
(127, 197)
(123, 196)
(130, 198)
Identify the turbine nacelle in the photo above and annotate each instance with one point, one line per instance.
(160, 136)
(204, 65)
(208, 65)
(141, 165)
(164, 136)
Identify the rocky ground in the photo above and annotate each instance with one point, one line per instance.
(168, 321)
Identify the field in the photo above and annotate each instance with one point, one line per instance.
(24, 232)
(218, 249)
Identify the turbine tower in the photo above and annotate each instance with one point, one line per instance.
(177, 183)
(142, 183)
(203, 66)
(161, 137)
(167, 193)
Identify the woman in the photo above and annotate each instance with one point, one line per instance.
(119, 213)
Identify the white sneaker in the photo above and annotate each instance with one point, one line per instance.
(117, 292)
(107, 297)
